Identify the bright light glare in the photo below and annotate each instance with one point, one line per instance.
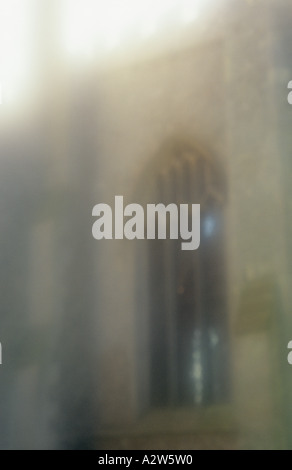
(15, 30)
(209, 226)
(189, 11)
(90, 25)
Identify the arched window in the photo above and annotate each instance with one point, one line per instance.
(188, 319)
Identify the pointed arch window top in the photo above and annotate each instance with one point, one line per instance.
(183, 173)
